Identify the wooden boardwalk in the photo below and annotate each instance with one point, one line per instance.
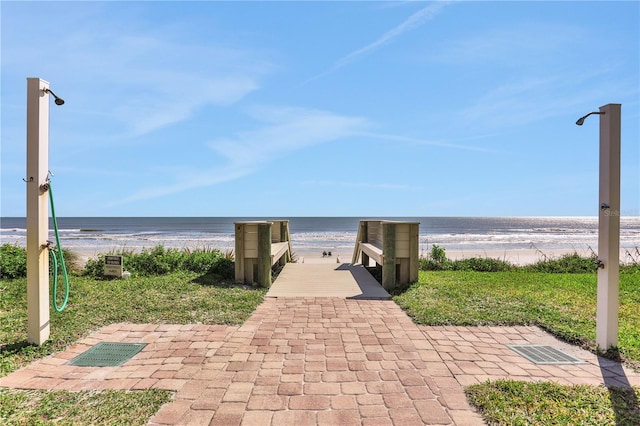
(341, 280)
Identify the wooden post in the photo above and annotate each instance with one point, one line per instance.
(239, 257)
(356, 247)
(264, 254)
(37, 211)
(284, 237)
(609, 228)
(389, 255)
(364, 227)
(413, 252)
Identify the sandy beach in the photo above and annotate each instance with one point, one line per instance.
(514, 256)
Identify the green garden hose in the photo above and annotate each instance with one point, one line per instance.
(54, 259)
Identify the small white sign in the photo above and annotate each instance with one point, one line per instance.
(113, 266)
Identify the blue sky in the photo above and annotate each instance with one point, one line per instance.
(206, 108)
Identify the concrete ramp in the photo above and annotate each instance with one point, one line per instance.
(344, 280)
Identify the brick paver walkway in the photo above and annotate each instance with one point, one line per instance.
(316, 361)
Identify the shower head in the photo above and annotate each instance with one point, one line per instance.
(580, 121)
(57, 100)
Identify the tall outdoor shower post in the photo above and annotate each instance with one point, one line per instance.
(609, 228)
(37, 210)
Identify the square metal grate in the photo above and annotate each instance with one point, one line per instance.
(106, 354)
(540, 354)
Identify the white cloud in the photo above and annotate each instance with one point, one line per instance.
(511, 46)
(416, 141)
(129, 78)
(414, 21)
(532, 99)
(284, 130)
(156, 83)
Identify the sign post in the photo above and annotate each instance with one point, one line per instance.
(113, 266)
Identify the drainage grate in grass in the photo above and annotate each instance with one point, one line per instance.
(540, 354)
(106, 354)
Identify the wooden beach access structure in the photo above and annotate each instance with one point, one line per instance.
(392, 245)
(259, 246)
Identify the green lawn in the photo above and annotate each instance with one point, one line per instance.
(507, 402)
(564, 304)
(18, 407)
(179, 298)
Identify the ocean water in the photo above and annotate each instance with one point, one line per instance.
(93, 235)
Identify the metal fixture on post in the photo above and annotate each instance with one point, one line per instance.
(580, 120)
(608, 226)
(58, 100)
(38, 209)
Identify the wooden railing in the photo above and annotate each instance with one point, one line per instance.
(258, 246)
(393, 246)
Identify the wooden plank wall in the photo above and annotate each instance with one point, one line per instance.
(250, 237)
(253, 242)
(374, 232)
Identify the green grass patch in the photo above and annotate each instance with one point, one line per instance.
(563, 304)
(20, 407)
(175, 298)
(506, 402)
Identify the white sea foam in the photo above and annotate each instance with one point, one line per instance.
(91, 236)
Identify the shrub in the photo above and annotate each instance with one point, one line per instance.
(94, 267)
(568, 264)
(201, 260)
(479, 264)
(632, 261)
(157, 261)
(13, 262)
(225, 268)
(161, 260)
(435, 261)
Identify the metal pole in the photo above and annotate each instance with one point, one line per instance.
(37, 210)
(609, 228)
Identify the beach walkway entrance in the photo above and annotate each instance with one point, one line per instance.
(316, 361)
(326, 279)
(323, 349)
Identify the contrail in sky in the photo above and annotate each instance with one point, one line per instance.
(414, 21)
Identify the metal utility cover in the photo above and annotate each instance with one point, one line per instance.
(539, 354)
(107, 354)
